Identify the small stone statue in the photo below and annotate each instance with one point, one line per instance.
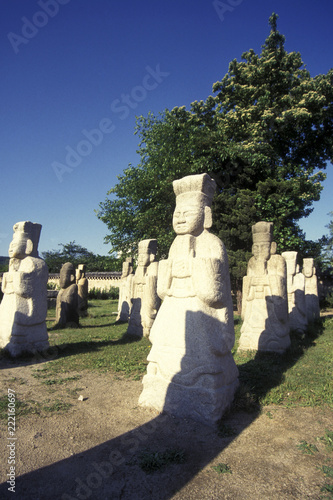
(24, 306)
(265, 304)
(296, 293)
(125, 288)
(311, 290)
(82, 286)
(145, 301)
(67, 314)
(191, 371)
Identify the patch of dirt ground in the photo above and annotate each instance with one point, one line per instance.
(96, 447)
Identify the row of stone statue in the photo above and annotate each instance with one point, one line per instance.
(24, 305)
(183, 303)
(277, 297)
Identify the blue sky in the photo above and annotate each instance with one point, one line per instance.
(71, 67)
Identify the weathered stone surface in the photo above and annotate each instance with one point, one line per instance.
(265, 305)
(125, 291)
(144, 298)
(311, 290)
(67, 313)
(296, 293)
(82, 289)
(24, 306)
(191, 372)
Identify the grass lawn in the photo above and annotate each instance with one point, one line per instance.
(302, 376)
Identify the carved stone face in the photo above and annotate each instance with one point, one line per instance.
(188, 219)
(144, 258)
(67, 276)
(261, 251)
(18, 246)
(308, 268)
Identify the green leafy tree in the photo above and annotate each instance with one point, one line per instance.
(326, 242)
(265, 136)
(76, 254)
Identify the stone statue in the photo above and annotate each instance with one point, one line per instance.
(145, 301)
(125, 290)
(191, 371)
(24, 306)
(82, 287)
(296, 293)
(265, 304)
(67, 314)
(311, 290)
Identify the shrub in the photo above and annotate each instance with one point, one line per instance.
(103, 294)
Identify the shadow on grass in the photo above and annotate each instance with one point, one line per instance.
(62, 351)
(259, 375)
(113, 469)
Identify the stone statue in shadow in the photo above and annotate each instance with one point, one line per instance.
(67, 313)
(144, 298)
(311, 290)
(265, 303)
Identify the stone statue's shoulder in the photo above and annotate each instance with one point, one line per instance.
(251, 266)
(277, 263)
(153, 269)
(29, 264)
(212, 245)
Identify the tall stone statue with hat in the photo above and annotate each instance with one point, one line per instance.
(265, 301)
(144, 298)
(296, 293)
(24, 305)
(191, 371)
(311, 290)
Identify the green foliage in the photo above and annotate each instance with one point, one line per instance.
(222, 469)
(328, 440)
(307, 448)
(103, 293)
(264, 136)
(326, 242)
(51, 286)
(76, 254)
(327, 470)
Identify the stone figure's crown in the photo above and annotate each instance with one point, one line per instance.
(31, 230)
(148, 245)
(262, 232)
(201, 183)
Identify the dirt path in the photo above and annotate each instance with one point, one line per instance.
(93, 450)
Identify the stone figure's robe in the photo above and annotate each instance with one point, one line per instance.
(191, 370)
(24, 306)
